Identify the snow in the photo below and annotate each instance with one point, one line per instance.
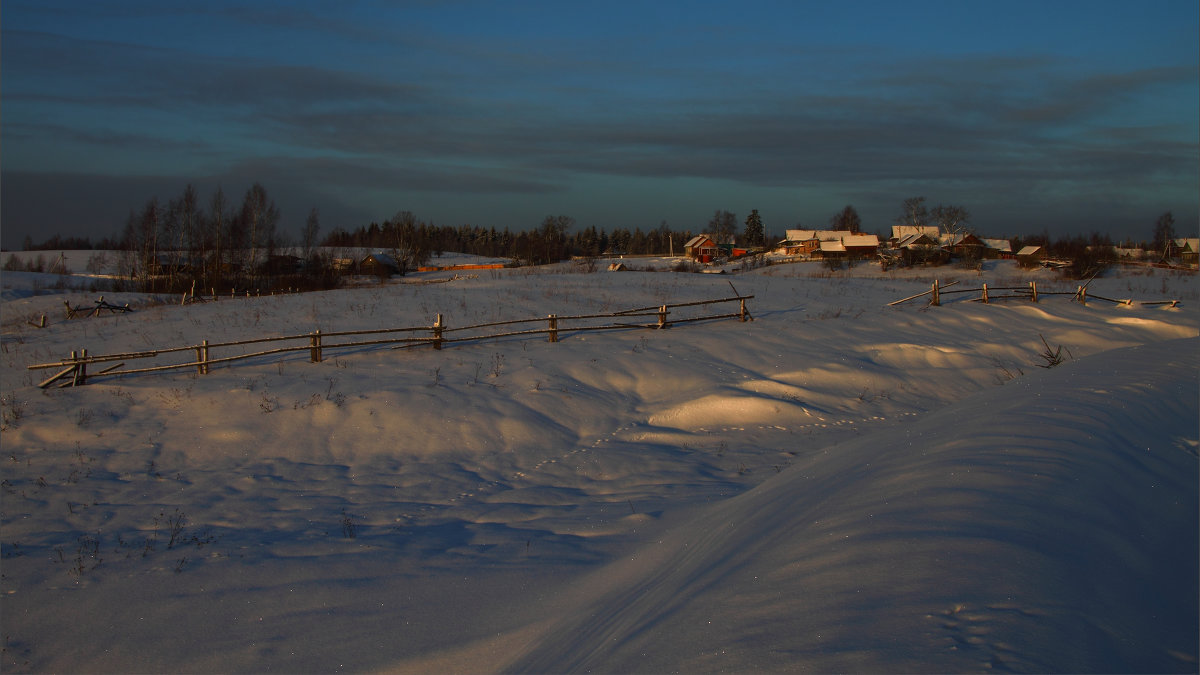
(837, 485)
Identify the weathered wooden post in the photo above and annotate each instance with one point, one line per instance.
(553, 327)
(437, 333)
(80, 369)
(1033, 291)
(936, 300)
(202, 358)
(742, 311)
(314, 351)
(985, 297)
(1081, 295)
(662, 317)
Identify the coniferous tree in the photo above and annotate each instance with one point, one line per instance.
(753, 234)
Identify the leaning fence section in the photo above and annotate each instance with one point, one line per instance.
(986, 294)
(74, 370)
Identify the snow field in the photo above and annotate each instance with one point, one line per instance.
(837, 485)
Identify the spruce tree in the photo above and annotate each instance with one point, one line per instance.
(753, 234)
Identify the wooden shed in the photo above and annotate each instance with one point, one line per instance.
(1031, 256)
(379, 264)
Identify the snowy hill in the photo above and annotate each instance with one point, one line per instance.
(837, 485)
(1048, 525)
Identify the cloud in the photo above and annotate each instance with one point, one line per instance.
(385, 111)
(362, 173)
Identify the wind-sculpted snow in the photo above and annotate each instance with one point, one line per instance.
(1064, 544)
(837, 485)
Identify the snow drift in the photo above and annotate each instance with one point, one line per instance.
(1048, 525)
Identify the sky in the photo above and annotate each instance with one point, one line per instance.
(1060, 118)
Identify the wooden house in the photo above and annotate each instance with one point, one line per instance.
(281, 265)
(997, 248)
(1186, 250)
(920, 248)
(700, 248)
(901, 232)
(808, 242)
(860, 245)
(379, 264)
(964, 245)
(831, 249)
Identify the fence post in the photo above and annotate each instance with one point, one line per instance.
(314, 353)
(936, 301)
(80, 369)
(202, 358)
(1033, 290)
(662, 317)
(1081, 295)
(985, 297)
(437, 333)
(742, 311)
(553, 327)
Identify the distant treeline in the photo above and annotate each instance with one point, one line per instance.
(473, 239)
(215, 244)
(550, 242)
(61, 243)
(218, 244)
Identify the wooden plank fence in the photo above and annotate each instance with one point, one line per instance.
(73, 371)
(1030, 292)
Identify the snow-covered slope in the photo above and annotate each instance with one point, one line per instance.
(836, 485)
(1047, 525)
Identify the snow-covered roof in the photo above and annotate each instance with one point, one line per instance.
(1029, 250)
(1002, 245)
(1189, 244)
(382, 259)
(697, 240)
(830, 246)
(916, 239)
(956, 238)
(860, 240)
(902, 231)
(819, 235)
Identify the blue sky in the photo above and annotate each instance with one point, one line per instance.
(1062, 116)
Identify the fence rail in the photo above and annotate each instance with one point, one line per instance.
(1030, 292)
(73, 371)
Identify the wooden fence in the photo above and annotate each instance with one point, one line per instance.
(1030, 292)
(73, 371)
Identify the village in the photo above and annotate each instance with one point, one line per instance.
(929, 245)
(908, 246)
